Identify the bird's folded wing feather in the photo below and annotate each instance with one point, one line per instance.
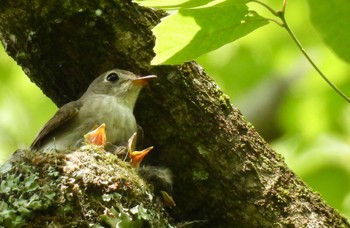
(65, 113)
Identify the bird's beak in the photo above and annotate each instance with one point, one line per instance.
(143, 80)
(97, 136)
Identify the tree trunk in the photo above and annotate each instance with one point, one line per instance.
(224, 173)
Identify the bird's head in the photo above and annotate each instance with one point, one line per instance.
(120, 84)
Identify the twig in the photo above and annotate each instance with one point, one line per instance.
(281, 14)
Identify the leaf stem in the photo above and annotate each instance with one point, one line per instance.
(267, 7)
(284, 24)
(296, 41)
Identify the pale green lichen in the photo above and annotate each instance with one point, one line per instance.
(21, 194)
(87, 187)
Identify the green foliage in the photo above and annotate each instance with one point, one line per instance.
(175, 4)
(331, 18)
(267, 78)
(23, 108)
(314, 123)
(196, 28)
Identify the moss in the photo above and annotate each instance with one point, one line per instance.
(200, 175)
(85, 187)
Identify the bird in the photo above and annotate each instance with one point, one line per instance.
(135, 156)
(109, 100)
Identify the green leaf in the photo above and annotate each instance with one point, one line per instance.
(174, 4)
(331, 18)
(183, 4)
(189, 33)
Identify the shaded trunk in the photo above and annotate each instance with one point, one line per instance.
(224, 172)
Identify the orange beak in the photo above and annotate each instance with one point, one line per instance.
(143, 80)
(137, 156)
(97, 136)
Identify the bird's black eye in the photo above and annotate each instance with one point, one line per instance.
(112, 77)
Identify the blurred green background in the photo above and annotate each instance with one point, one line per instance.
(266, 77)
(24, 109)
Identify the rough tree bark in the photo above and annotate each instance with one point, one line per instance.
(225, 174)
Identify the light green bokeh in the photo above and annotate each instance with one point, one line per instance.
(331, 18)
(23, 108)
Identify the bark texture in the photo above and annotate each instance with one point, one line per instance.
(225, 175)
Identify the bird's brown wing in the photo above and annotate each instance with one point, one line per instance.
(65, 113)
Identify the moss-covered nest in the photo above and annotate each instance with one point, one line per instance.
(87, 187)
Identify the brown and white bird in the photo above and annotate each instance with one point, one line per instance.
(109, 100)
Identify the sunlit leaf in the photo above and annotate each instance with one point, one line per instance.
(185, 4)
(169, 5)
(331, 18)
(189, 33)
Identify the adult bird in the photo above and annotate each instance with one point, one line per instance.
(110, 99)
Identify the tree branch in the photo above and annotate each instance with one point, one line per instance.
(224, 172)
